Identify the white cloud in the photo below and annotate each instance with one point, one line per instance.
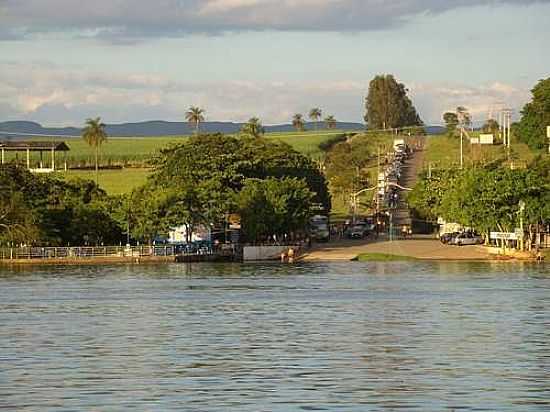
(124, 20)
(56, 95)
(481, 101)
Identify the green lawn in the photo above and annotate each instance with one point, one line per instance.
(113, 182)
(137, 151)
(444, 151)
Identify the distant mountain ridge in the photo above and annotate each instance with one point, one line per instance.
(160, 128)
(152, 128)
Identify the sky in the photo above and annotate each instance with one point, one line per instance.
(62, 61)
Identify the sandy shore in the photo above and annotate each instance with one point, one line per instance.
(420, 248)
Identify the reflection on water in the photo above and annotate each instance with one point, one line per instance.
(334, 337)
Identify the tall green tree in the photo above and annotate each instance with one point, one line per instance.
(253, 128)
(195, 116)
(330, 122)
(451, 122)
(17, 220)
(315, 114)
(490, 126)
(388, 106)
(94, 135)
(298, 122)
(464, 116)
(274, 206)
(535, 117)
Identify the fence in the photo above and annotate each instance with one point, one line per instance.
(89, 252)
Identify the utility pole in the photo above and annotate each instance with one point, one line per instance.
(461, 148)
(507, 125)
(501, 135)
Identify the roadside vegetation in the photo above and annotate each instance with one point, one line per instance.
(497, 189)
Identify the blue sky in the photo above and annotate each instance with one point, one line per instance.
(62, 61)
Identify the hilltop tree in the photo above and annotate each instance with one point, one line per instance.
(195, 116)
(330, 122)
(491, 126)
(315, 114)
(253, 128)
(388, 106)
(94, 134)
(451, 122)
(298, 122)
(535, 117)
(464, 116)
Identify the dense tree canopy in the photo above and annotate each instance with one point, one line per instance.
(274, 207)
(535, 117)
(201, 180)
(48, 211)
(485, 198)
(388, 106)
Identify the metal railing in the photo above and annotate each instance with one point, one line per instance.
(87, 252)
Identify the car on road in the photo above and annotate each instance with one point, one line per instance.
(467, 238)
(358, 231)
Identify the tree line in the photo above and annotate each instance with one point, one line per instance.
(201, 181)
(488, 198)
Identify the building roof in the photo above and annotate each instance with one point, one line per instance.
(23, 146)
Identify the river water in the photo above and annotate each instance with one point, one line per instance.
(228, 337)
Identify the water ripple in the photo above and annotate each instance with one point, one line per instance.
(311, 337)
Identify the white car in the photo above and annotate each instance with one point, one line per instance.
(466, 238)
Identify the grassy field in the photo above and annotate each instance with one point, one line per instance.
(114, 182)
(137, 151)
(444, 151)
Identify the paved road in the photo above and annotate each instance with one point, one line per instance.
(409, 176)
(420, 248)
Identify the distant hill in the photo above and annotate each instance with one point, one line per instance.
(150, 128)
(160, 128)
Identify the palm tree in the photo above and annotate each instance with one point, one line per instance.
(253, 128)
(330, 122)
(315, 114)
(94, 134)
(195, 115)
(298, 122)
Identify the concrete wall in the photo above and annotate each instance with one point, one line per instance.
(251, 253)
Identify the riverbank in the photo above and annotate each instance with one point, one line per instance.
(417, 248)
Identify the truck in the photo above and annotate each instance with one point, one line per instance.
(319, 228)
(397, 143)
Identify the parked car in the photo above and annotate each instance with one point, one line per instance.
(358, 231)
(446, 238)
(467, 238)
